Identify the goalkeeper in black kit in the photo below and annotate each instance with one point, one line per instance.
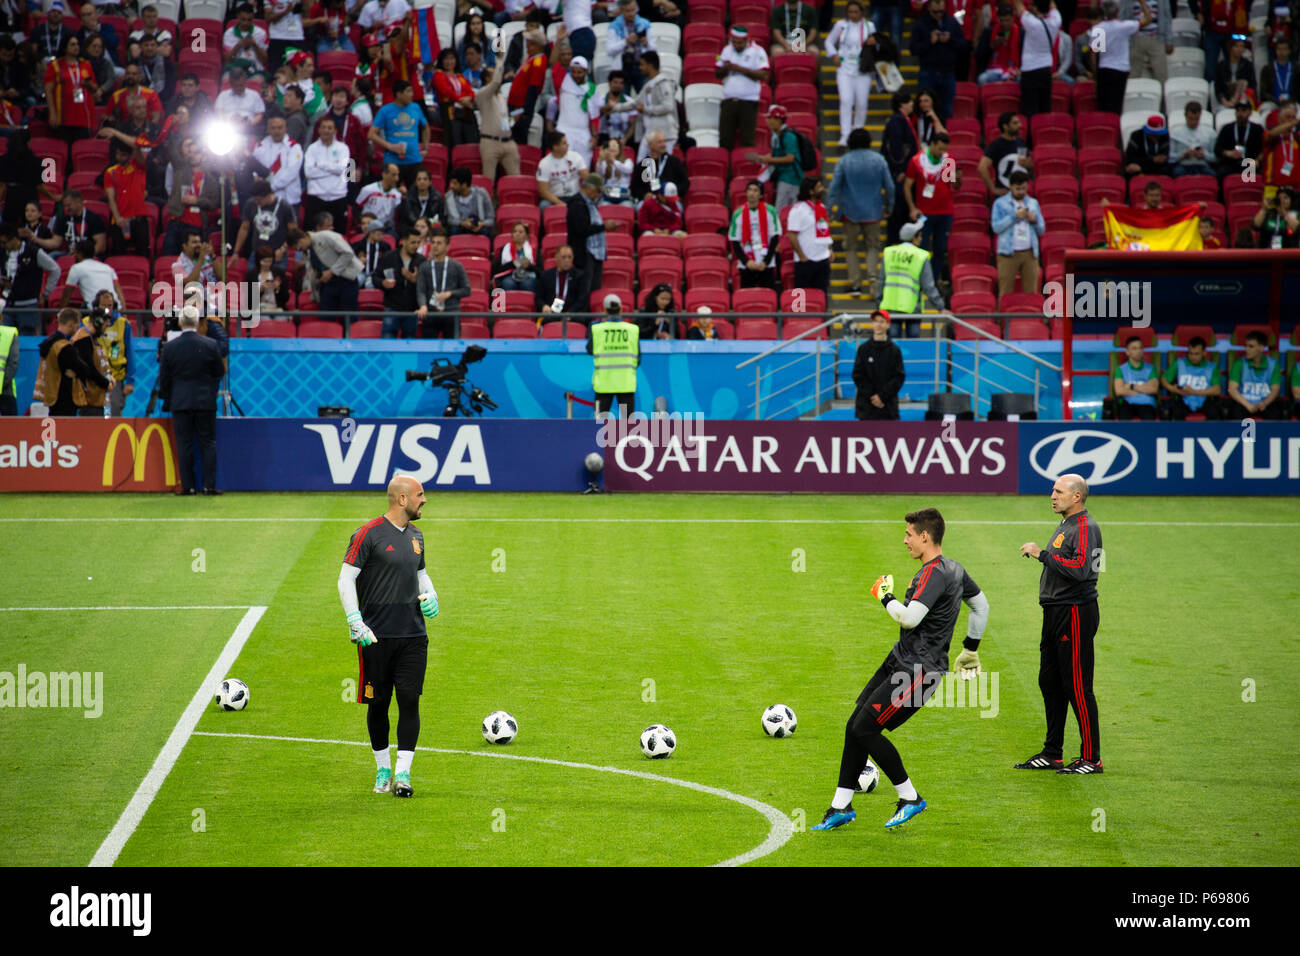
(386, 594)
(911, 672)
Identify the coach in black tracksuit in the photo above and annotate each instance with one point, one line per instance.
(1067, 591)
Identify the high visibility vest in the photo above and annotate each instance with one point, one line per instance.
(7, 335)
(904, 264)
(615, 347)
(113, 342)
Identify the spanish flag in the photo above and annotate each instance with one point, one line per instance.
(1145, 230)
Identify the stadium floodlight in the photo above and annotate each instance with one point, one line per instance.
(219, 137)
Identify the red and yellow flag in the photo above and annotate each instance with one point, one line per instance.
(1144, 230)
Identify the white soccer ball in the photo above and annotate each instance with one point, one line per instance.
(779, 721)
(868, 779)
(232, 694)
(594, 463)
(657, 742)
(499, 727)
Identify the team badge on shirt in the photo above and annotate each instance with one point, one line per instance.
(370, 691)
(1060, 540)
(415, 545)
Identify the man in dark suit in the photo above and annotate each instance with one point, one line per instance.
(564, 282)
(665, 167)
(586, 231)
(1239, 141)
(188, 374)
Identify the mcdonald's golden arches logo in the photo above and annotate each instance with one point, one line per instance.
(139, 451)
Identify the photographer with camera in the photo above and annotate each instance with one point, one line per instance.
(440, 284)
(74, 377)
(615, 347)
(113, 335)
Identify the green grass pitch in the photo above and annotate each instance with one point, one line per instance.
(589, 618)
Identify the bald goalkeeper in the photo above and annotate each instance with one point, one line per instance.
(1067, 591)
(386, 595)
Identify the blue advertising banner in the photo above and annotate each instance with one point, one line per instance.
(333, 454)
(1163, 458)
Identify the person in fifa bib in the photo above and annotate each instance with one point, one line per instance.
(385, 589)
(1193, 381)
(615, 347)
(1135, 384)
(912, 670)
(1067, 591)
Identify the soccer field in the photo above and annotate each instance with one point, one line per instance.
(590, 618)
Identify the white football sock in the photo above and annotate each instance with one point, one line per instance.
(905, 789)
(381, 759)
(843, 797)
(404, 758)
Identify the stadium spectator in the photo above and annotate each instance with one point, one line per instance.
(326, 166)
(1040, 26)
(245, 44)
(22, 265)
(1148, 149)
(931, 182)
(1063, 49)
(440, 285)
(938, 41)
(743, 69)
(296, 121)
(33, 228)
(303, 65)
(191, 195)
(239, 104)
(527, 85)
(1281, 158)
(587, 228)
(1234, 78)
(135, 126)
(283, 28)
(349, 130)
(149, 25)
(455, 96)
(472, 66)
(1153, 197)
(659, 314)
(283, 157)
(106, 74)
(401, 130)
(577, 28)
(193, 99)
(265, 217)
(577, 109)
(370, 249)
(908, 275)
(196, 265)
(332, 265)
(1113, 54)
(495, 145)
(90, 276)
(755, 236)
(75, 373)
(469, 207)
(1255, 381)
(661, 214)
(1085, 57)
(1018, 223)
(924, 118)
(159, 73)
(615, 169)
(124, 189)
(783, 158)
(666, 168)
(48, 37)
(1208, 229)
(91, 27)
(360, 92)
(998, 55)
(399, 274)
(899, 145)
(1277, 81)
(382, 13)
(476, 33)
(887, 15)
(1191, 146)
(396, 64)
(328, 21)
(851, 41)
(1135, 384)
(1194, 384)
(1004, 156)
(1278, 222)
(794, 28)
(1153, 42)
(422, 200)
(701, 327)
(75, 222)
(627, 39)
(382, 198)
(369, 59)
(863, 192)
(616, 123)
(559, 172)
(517, 262)
(69, 89)
(809, 231)
(1238, 142)
(655, 107)
(564, 288)
(878, 373)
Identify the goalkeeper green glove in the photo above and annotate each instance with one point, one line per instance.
(360, 632)
(883, 589)
(429, 604)
(968, 664)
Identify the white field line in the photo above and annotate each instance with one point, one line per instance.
(128, 607)
(779, 832)
(357, 522)
(108, 851)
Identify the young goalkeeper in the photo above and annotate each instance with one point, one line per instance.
(385, 588)
(912, 670)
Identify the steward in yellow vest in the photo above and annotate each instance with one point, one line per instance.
(8, 370)
(115, 340)
(908, 273)
(615, 347)
(74, 377)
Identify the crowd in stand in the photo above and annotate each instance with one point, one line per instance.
(519, 162)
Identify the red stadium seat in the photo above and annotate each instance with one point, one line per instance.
(707, 188)
(707, 217)
(708, 243)
(999, 97)
(790, 327)
(719, 300)
(1183, 334)
(625, 295)
(657, 269)
(793, 68)
(968, 247)
(807, 300)
(1027, 329)
(366, 329)
(517, 189)
(661, 245)
(1024, 302)
(1239, 333)
(703, 39)
(90, 154)
(553, 219)
(458, 247)
(988, 325)
(1058, 216)
(797, 97)
(964, 131)
(510, 213)
(751, 329)
(973, 302)
(762, 301)
(708, 161)
(1084, 97)
(740, 166)
(319, 329)
(1189, 189)
(551, 242)
(698, 67)
(556, 330)
(1237, 191)
(1097, 129)
(514, 328)
(1100, 160)
(1055, 161)
(1110, 187)
(516, 303)
(708, 272)
(1054, 244)
(619, 272)
(965, 101)
(273, 329)
(478, 269)
(370, 300)
(991, 130)
(623, 214)
(1051, 129)
(974, 278)
(1062, 97)
(474, 329)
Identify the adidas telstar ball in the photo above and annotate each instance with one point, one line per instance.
(868, 779)
(232, 694)
(594, 463)
(779, 721)
(657, 741)
(499, 727)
